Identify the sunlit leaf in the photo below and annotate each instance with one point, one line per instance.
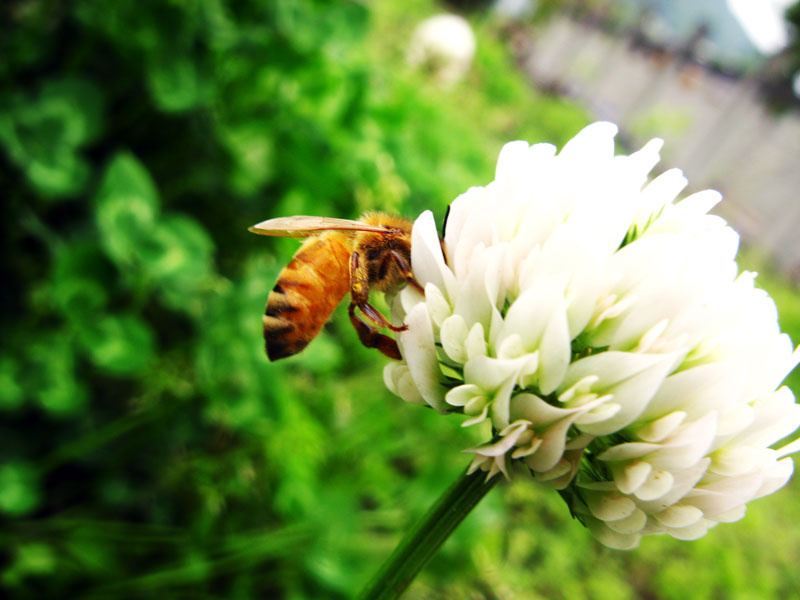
(78, 104)
(127, 205)
(19, 488)
(11, 393)
(251, 145)
(51, 375)
(178, 253)
(43, 134)
(64, 174)
(175, 83)
(120, 344)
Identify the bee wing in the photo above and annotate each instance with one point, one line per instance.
(303, 226)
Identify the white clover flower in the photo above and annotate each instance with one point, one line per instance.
(444, 43)
(604, 331)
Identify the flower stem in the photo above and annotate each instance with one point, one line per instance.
(422, 542)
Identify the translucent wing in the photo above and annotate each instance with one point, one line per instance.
(303, 226)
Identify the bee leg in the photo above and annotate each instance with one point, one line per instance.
(376, 317)
(371, 337)
(359, 296)
(405, 269)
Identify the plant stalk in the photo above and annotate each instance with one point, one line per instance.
(424, 539)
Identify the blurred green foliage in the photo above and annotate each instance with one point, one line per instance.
(147, 445)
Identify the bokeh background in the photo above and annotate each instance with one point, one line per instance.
(147, 447)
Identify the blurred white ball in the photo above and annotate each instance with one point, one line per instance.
(446, 45)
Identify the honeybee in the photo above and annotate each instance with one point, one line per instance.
(340, 255)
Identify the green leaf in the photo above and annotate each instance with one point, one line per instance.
(175, 83)
(119, 344)
(127, 205)
(31, 559)
(19, 490)
(78, 104)
(178, 253)
(64, 174)
(11, 394)
(51, 375)
(42, 135)
(78, 287)
(62, 397)
(35, 559)
(251, 145)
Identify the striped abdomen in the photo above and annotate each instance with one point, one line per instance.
(309, 288)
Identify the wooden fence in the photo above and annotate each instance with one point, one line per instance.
(715, 125)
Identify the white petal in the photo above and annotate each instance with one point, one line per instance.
(723, 495)
(694, 391)
(629, 477)
(682, 484)
(478, 418)
(511, 347)
(398, 379)
(461, 395)
(601, 413)
(593, 142)
(513, 159)
(645, 159)
(562, 468)
(453, 335)
(475, 343)
(691, 532)
(658, 193)
(628, 451)
(537, 411)
(687, 446)
(775, 417)
(608, 506)
(679, 515)
(459, 213)
(633, 523)
(438, 306)
(475, 300)
(775, 477)
(501, 400)
(476, 406)
(611, 538)
(419, 352)
(736, 460)
(701, 202)
(528, 316)
(656, 431)
(427, 260)
(554, 352)
(404, 302)
(490, 374)
(631, 378)
(731, 516)
(503, 445)
(657, 484)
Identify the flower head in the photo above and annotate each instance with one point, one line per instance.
(445, 44)
(603, 329)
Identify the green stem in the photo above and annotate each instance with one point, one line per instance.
(422, 542)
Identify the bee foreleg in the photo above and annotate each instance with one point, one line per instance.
(376, 317)
(359, 294)
(405, 269)
(371, 337)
